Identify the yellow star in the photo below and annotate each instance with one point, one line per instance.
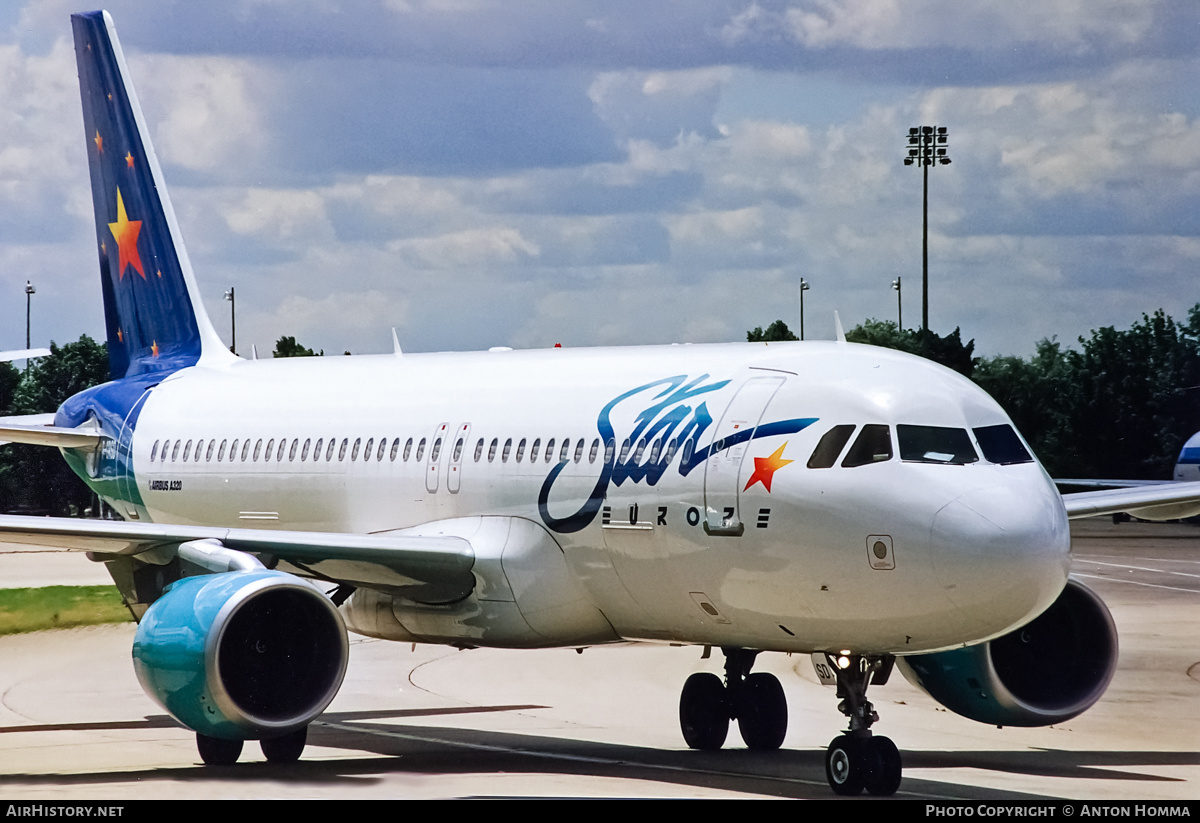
(765, 468)
(125, 232)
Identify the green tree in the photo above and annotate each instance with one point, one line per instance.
(35, 478)
(950, 350)
(288, 347)
(775, 332)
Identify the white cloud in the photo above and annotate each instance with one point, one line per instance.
(473, 247)
(280, 215)
(993, 24)
(208, 114)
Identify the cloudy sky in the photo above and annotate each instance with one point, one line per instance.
(496, 172)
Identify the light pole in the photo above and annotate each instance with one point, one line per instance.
(927, 146)
(30, 291)
(232, 320)
(803, 289)
(899, 305)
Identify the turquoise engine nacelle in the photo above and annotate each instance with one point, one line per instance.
(1047, 671)
(242, 655)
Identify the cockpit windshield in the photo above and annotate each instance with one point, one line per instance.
(935, 444)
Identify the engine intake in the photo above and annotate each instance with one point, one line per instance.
(243, 654)
(1047, 671)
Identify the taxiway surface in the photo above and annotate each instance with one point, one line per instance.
(434, 722)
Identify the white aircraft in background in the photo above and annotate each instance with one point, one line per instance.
(849, 502)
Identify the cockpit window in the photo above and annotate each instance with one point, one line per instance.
(935, 444)
(830, 446)
(873, 445)
(1001, 445)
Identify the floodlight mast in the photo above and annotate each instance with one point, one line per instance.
(927, 145)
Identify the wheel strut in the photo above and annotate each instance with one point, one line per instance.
(856, 759)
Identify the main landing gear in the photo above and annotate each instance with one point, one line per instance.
(755, 701)
(856, 759)
(217, 751)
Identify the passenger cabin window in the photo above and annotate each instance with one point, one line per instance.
(566, 450)
(1000, 444)
(594, 451)
(420, 450)
(407, 449)
(550, 450)
(935, 444)
(396, 449)
(479, 450)
(521, 451)
(533, 450)
(873, 445)
(830, 446)
(579, 450)
(492, 449)
(507, 450)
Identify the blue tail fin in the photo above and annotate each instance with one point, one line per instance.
(152, 310)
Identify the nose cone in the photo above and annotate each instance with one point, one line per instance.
(1001, 555)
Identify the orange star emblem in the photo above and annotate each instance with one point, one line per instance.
(99, 141)
(765, 468)
(129, 159)
(154, 347)
(125, 232)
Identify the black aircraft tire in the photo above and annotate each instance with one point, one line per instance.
(703, 713)
(217, 751)
(762, 712)
(884, 778)
(286, 749)
(847, 765)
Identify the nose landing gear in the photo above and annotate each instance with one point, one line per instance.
(856, 759)
(756, 701)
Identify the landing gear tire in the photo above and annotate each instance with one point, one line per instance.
(285, 749)
(762, 712)
(703, 713)
(884, 777)
(847, 764)
(217, 751)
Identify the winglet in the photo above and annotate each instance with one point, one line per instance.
(841, 333)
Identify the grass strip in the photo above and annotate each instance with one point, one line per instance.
(59, 607)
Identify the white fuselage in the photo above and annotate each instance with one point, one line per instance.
(891, 556)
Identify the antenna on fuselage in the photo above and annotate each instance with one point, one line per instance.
(841, 333)
(396, 343)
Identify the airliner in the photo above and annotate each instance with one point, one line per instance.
(867, 508)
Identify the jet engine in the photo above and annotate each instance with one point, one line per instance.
(242, 655)
(1047, 671)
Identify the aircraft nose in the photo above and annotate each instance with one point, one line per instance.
(1001, 554)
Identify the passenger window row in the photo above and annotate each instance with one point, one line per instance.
(249, 450)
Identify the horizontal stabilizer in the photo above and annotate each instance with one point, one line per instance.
(23, 354)
(1161, 501)
(430, 568)
(38, 430)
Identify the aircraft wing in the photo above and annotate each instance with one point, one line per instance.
(434, 567)
(1159, 501)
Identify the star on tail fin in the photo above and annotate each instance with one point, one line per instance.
(154, 317)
